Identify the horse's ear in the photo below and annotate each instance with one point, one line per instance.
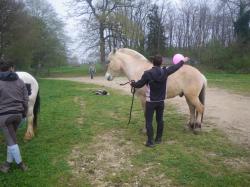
(114, 50)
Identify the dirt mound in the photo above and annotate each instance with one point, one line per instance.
(107, 158)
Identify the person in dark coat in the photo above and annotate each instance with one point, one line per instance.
(155, 80)
(13, 107)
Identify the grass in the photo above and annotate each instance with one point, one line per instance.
(72, 71)
(238, 83)
(208, 159)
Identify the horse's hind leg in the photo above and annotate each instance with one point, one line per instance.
(192, 119)
(199, 108)
(30, 131)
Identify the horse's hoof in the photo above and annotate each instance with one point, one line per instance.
(197, 131)
(28, 136)
(191, 125)
(197, 125)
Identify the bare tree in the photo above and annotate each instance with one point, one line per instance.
(95, 17)
(191, 24)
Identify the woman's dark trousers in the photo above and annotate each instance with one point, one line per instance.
(158, 107)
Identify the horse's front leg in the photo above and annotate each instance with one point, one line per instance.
(30, 131)
(143, 105)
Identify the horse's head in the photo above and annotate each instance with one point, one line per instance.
(114, 66)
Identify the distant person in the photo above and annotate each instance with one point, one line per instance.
(155, 80)
(92, 71)
(13, 107)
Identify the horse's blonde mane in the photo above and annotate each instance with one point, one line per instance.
(132, 53)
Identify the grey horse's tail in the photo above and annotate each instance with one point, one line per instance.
(202, 96)
(36, 110)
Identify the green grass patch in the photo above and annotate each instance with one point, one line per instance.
(238, 83)
(72, 71)
(185, 159)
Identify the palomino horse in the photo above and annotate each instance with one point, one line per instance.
(187, 81)
(33, 104)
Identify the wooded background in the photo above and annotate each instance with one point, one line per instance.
(215, 33)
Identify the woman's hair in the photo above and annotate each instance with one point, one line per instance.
(157, 60)
(5, 65)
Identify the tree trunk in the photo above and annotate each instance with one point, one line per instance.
(102, 44)
(1, 44)
(109, 39)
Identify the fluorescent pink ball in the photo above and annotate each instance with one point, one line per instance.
(177, 58)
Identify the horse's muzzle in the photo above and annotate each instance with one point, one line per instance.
(108, 77)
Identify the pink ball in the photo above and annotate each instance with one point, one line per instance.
(177, 58)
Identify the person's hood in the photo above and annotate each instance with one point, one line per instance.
(8, 76)
(157, 74)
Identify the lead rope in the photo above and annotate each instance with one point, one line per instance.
(133, 96)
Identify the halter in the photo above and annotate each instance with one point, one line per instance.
(133, 96)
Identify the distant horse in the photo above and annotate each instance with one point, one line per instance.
(33, 104)
(187, 81)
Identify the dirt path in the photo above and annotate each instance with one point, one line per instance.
(226, 111)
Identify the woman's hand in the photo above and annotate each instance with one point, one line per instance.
(186, 59)
(132, 82)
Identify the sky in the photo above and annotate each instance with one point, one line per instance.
(70, 25)
(59, 6)
(61, 9)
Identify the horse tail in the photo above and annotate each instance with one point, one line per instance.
(36, 110)
(202, 95)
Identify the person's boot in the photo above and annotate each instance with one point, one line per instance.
(22, 166)
(5, 167)
(157, 140)
(149, 143)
